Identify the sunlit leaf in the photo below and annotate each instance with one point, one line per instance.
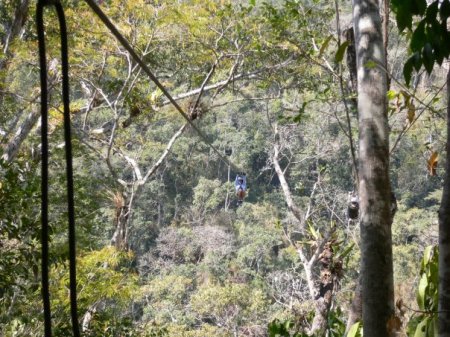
(423, 284)
(370, 64)
(354, 330)
(391, 94)
(421, 330)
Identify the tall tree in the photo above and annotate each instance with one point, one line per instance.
(374, 184)
(444, 239)
(429, 46)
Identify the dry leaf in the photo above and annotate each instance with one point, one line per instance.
(432, 163)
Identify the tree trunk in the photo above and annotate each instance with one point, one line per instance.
(284, 185)
(374, 186)
(444, 238)
(12, 147)
(329, 274)
(351, 61)
(13, 31)
(20, 16)
(120, 236)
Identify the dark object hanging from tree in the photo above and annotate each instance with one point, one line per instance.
(353, 206)
(228, 151)
(393, 204)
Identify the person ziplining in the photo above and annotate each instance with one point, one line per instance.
(240, 185)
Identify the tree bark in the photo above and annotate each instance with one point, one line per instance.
(374, 185)
(12, 147)
(444, 239)
(328, 278)
(20, 16)
(284, 185)
(351, 60)
(120, 236)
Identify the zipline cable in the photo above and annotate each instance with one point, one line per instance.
(69, 167)
(144, 67)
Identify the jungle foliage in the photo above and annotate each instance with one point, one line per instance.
(268, 80)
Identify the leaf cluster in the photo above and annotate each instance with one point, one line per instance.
(430, 38)
(425, 323)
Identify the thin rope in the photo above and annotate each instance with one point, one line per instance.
(69, 167)
(144, 67)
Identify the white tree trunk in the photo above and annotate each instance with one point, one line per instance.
(12, 147)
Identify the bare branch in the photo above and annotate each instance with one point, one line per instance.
(226, 81)
(281, 177)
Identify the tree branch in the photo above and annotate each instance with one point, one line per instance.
(281, 177)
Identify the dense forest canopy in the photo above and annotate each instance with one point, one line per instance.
(164, 247)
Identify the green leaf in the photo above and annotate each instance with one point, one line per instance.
(428, 58)
(354, 330)
(421, 330)
(444, 10)
(432, 11)
(313, 232)
(407, 70)
(325, 45)
(346, 251)
(391, 94)
(370, 64)
(423, 284)
(404, 15)
(417, 61)
(287, 325)
(396, 4)
(418, 38)
(340, 52)
(426, 257)
(418, 7)
(279, 329)
(435, 327)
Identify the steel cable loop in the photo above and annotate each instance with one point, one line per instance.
(69, 168)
